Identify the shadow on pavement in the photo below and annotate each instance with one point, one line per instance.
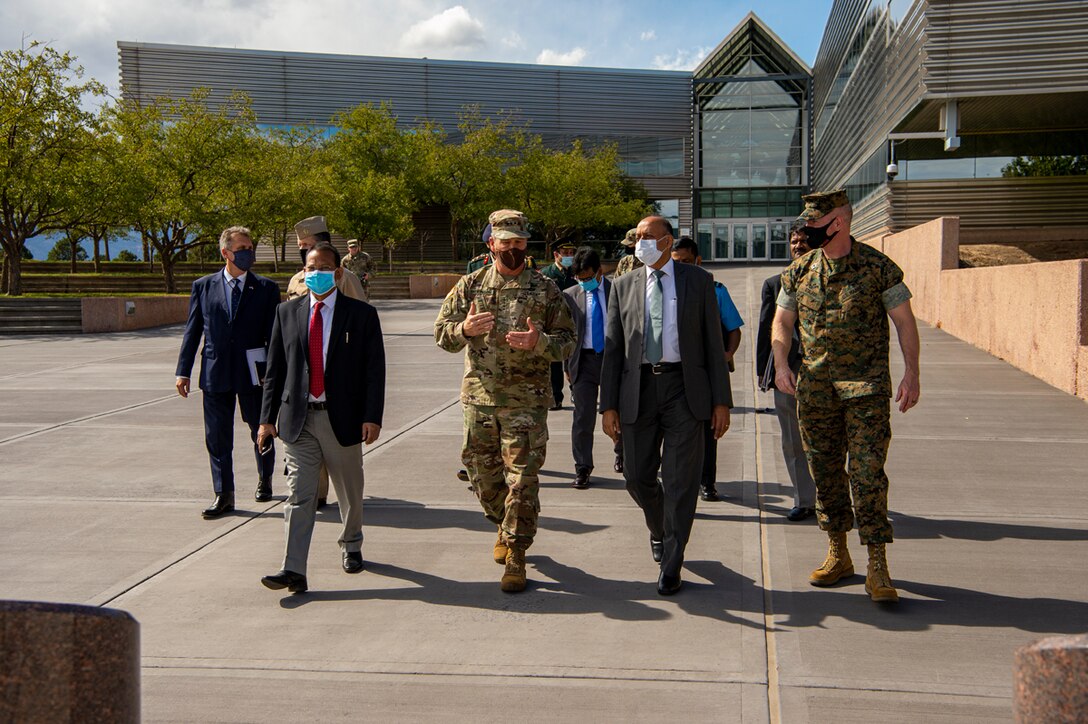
(913, 527)
(394, 513)
(572, 592)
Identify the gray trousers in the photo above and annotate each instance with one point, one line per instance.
(665, 436)
(316, 444)
(584, 391)
(804, 488)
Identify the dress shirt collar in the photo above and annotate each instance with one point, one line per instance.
(241, 278)
(326, 303)
(667, 270)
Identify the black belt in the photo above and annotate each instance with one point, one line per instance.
(590, 350)
(662, 367)
(317, 405)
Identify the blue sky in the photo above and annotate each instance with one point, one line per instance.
(611, 33)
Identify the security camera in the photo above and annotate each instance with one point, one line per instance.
(892, 170)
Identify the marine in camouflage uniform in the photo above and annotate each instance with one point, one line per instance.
(844, 383)
(629, 262)
(359, 263)
(506, 389)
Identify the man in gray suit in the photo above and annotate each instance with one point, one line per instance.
(588, 305)
(664, 374)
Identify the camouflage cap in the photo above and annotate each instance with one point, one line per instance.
(630, 239)
(818, 205)
(508, 224)
(353, 242)
(311, 226)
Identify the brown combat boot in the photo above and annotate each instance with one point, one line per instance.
(837, 565)
(878, 582)
(500, 550)
(513, 579)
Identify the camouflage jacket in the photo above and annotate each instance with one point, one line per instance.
(560, 275)
(495, 373)
(627, 264)
(842, 307)
(361, 264)
(348, 285)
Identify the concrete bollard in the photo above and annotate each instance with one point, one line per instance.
(68, 663)
(1052, 680)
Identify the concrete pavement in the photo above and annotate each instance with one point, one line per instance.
(104, 475)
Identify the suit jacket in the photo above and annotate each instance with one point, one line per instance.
(223, 366)
(764, 355)
(354, 370)
(576, 299)
(699, 330)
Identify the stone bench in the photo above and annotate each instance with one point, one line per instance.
(1052, 680)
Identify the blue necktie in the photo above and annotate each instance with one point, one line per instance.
(235, 297)
(597, 323)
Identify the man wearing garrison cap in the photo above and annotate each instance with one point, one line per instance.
(842, 293)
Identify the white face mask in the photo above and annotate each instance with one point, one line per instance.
(646, 251)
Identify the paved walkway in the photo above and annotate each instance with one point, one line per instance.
(104, 475)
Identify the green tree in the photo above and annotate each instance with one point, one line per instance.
(563, 192)
(1046, 166)
(179, 159)
(126, 255)
(96, 208)
(468, 176)
(62, 251)
(45, 131)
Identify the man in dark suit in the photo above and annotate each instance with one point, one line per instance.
(587, 300)
(664, 374)
(233, 310)
(785, 404)
(324, 395)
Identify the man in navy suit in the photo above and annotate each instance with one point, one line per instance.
(233, 310)
(588, 305)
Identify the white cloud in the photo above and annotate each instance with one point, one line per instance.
(648, 35)
(512, 40)
(451, 29)
(681, 59)
(553, 57)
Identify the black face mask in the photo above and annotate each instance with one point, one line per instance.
(512, 259)
(818, 237)
(303, 253)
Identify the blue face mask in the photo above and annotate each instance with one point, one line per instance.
(589, 284)
(244, 258)
(566, 261)
(320, 282)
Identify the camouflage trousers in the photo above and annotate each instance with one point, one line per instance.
(503, 450)
(832, 428)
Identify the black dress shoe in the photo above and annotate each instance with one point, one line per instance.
(618, 465)
(581, 479)
(223, 503)
(293, 582)
(800, 513)
(657, 549)
(264, 491)
(668, 585)
(353, 561)
(708, 492)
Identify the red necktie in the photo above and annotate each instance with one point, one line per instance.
(317, 362)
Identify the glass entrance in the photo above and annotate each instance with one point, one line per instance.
(743, 240)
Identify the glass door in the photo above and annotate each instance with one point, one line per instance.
(759, 242)
(779, 242)
(704, 240)
(721, 241)
(740, 242)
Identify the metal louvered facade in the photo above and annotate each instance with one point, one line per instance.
(1018, 73)
(560, 103)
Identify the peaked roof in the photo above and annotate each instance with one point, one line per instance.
(751, 37)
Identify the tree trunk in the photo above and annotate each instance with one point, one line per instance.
(73, 245)
(106, 243)
(4, 275)
(15, 275)
(147, 250)
(168, 273)
(97, 260)
(455, 233)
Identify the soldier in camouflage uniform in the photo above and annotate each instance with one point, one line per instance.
(843, 293)
(514, 322)
(629, 262)
(359, 262)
